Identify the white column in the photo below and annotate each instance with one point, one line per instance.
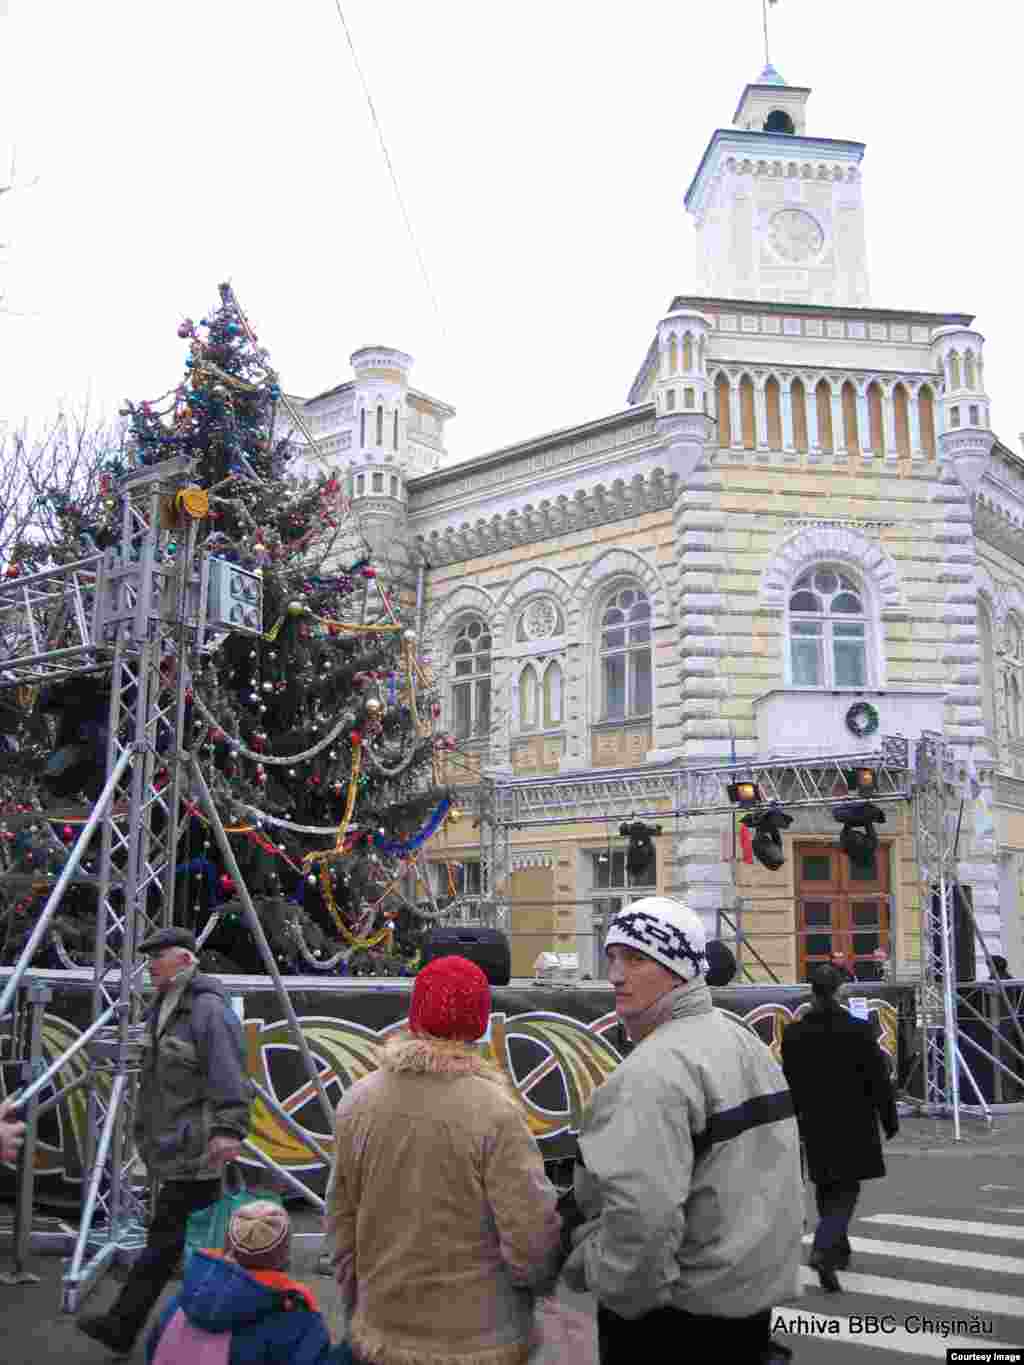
(838, 425)
(786, 400)
(889, 421)
(760, 415)
(914, 416)
(735, 417)
(863, 421)
(811, 404)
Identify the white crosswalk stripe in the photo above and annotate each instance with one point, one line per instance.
(906, 1220)
(964, 1300)
(912, 1251)
(910, 1312)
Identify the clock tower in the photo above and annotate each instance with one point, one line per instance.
(779, 215)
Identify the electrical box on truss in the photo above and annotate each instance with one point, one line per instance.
(234, 598)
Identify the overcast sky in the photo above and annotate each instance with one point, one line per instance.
(543, 150)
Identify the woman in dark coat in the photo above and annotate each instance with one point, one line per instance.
(841, 1093)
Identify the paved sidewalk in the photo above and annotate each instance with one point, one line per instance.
(38, 1332)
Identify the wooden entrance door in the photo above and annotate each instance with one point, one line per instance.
(841, 908)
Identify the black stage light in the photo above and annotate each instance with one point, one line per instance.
(640, 852)
(766, 844)
(858, 839)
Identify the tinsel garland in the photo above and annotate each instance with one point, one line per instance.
(395, 848)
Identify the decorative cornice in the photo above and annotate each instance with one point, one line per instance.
(551, 518)
(551, 451)
(993, 526)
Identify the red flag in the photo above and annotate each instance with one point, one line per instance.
(747, 843)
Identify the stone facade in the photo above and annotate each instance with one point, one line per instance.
(802, 506)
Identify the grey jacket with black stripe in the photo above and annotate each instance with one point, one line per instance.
(689, 1175)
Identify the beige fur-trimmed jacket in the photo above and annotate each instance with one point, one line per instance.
(442, 1219)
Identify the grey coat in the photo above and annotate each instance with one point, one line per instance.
(194, 1083)
(690, 1182)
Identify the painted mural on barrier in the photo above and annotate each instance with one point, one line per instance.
(556, 1056)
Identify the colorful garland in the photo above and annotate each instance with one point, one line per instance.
(395, 848)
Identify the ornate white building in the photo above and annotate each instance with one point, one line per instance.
(802, 508)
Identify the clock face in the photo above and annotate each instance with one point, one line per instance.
(795, 235)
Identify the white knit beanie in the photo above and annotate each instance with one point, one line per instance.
(664, 929)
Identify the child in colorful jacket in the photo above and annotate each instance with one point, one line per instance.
(239, 1306)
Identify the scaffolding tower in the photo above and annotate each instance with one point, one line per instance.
(137, 611)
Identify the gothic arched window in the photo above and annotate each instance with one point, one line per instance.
(626, 684)
(827, 630)
(471, 685)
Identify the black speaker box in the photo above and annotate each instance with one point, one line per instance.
(963, 933)
(488, 948)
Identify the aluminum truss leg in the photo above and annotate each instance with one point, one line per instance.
(256, 929)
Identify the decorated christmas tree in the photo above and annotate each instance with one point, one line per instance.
(316, 732)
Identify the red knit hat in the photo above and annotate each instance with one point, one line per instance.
(451, 999)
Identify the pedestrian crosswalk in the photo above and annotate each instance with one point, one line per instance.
(915, 1299)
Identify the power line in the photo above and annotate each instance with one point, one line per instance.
(391, 169)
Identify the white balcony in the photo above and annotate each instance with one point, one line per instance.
(811, 720)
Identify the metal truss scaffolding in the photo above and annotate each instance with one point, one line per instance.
(929, 782)
(134, 613)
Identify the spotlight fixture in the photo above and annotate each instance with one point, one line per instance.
(858, 839)
(744, 793)
(640, 853)
(766, 844)
(863, 781)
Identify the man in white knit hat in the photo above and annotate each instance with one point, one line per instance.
(688, 1188)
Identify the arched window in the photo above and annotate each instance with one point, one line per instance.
(1013, 677)
(823, 399)
(626, 656)
(673, 355)
(747, 413)
(471, 687)
(926, 418)
(901, 419)
(986, 668)
(778, 121)
(380, 425)
(552, 695)
(687, 353)
(362, 428)
(798, 401)
(528, 694)
(875, 419)
(954, 370)
(850, 418)
(394, 432)
(722, 412)
(970, 379)
(773, 412)
(827, 630)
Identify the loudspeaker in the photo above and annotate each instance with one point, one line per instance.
(488, 948)
(964, 965)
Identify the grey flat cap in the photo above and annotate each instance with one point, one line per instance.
(168, 938)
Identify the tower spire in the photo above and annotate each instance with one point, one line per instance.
(764, 16)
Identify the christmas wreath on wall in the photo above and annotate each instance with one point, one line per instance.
(862, 719)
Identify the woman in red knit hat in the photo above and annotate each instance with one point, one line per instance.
(443, 1222)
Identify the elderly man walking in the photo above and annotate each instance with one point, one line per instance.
(842, 1091)
(688, 1190)
(192, 1116)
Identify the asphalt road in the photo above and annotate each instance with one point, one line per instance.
(940, 1239)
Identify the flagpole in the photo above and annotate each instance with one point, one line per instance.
(764, 15)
